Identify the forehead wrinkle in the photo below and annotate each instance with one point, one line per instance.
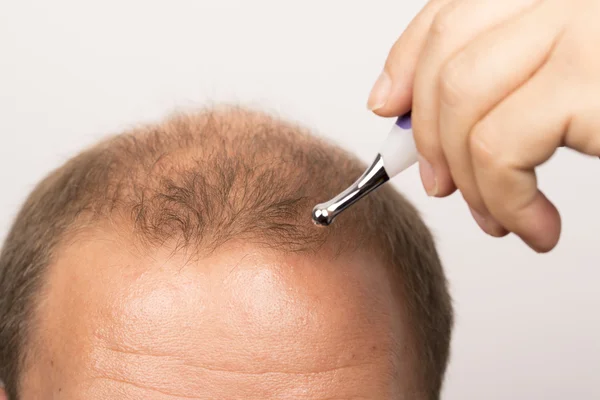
(139, 386)
(329, 347)
(201, 321)
(199, 377)
(104, 356)
(259, 304)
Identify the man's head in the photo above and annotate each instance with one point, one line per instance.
(180, 261)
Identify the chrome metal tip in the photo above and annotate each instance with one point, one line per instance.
(375, 176)
(320, 216)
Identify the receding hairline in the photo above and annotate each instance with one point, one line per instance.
(203, 178)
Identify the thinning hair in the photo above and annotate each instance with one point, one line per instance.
(200, 180)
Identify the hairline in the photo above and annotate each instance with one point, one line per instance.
(385, 201)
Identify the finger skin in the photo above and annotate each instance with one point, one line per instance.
(508, 144)
(402, 60)
(456, 24)
(477, 78)
(577, 65)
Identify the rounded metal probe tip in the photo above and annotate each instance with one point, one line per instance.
(320, 216)
(374, 176)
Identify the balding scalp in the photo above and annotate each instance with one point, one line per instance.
(200, 180)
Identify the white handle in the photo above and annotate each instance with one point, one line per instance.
(399, 150)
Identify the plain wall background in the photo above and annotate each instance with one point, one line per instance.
(73, 71)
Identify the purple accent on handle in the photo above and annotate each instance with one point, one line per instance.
(405, 121)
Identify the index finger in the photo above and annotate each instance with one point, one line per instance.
(399, 70)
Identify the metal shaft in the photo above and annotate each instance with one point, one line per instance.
(374, 176)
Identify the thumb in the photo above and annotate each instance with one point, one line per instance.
(392, 93)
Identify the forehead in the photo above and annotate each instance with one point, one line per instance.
(242, 323)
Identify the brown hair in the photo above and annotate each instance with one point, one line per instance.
(203, 179)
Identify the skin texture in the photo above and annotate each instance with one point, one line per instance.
(120, 321)
(495, 88)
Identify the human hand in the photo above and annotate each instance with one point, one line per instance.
(495, 88)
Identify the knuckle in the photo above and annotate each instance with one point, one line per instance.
(444, 21)
(481, 149)
(582, 132)
(453, 84)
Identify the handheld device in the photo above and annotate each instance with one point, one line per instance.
(397, 153)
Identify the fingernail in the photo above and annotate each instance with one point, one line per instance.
(428, 177)
(380, 92)
(488, 224)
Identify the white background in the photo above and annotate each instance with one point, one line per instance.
(73, 71)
